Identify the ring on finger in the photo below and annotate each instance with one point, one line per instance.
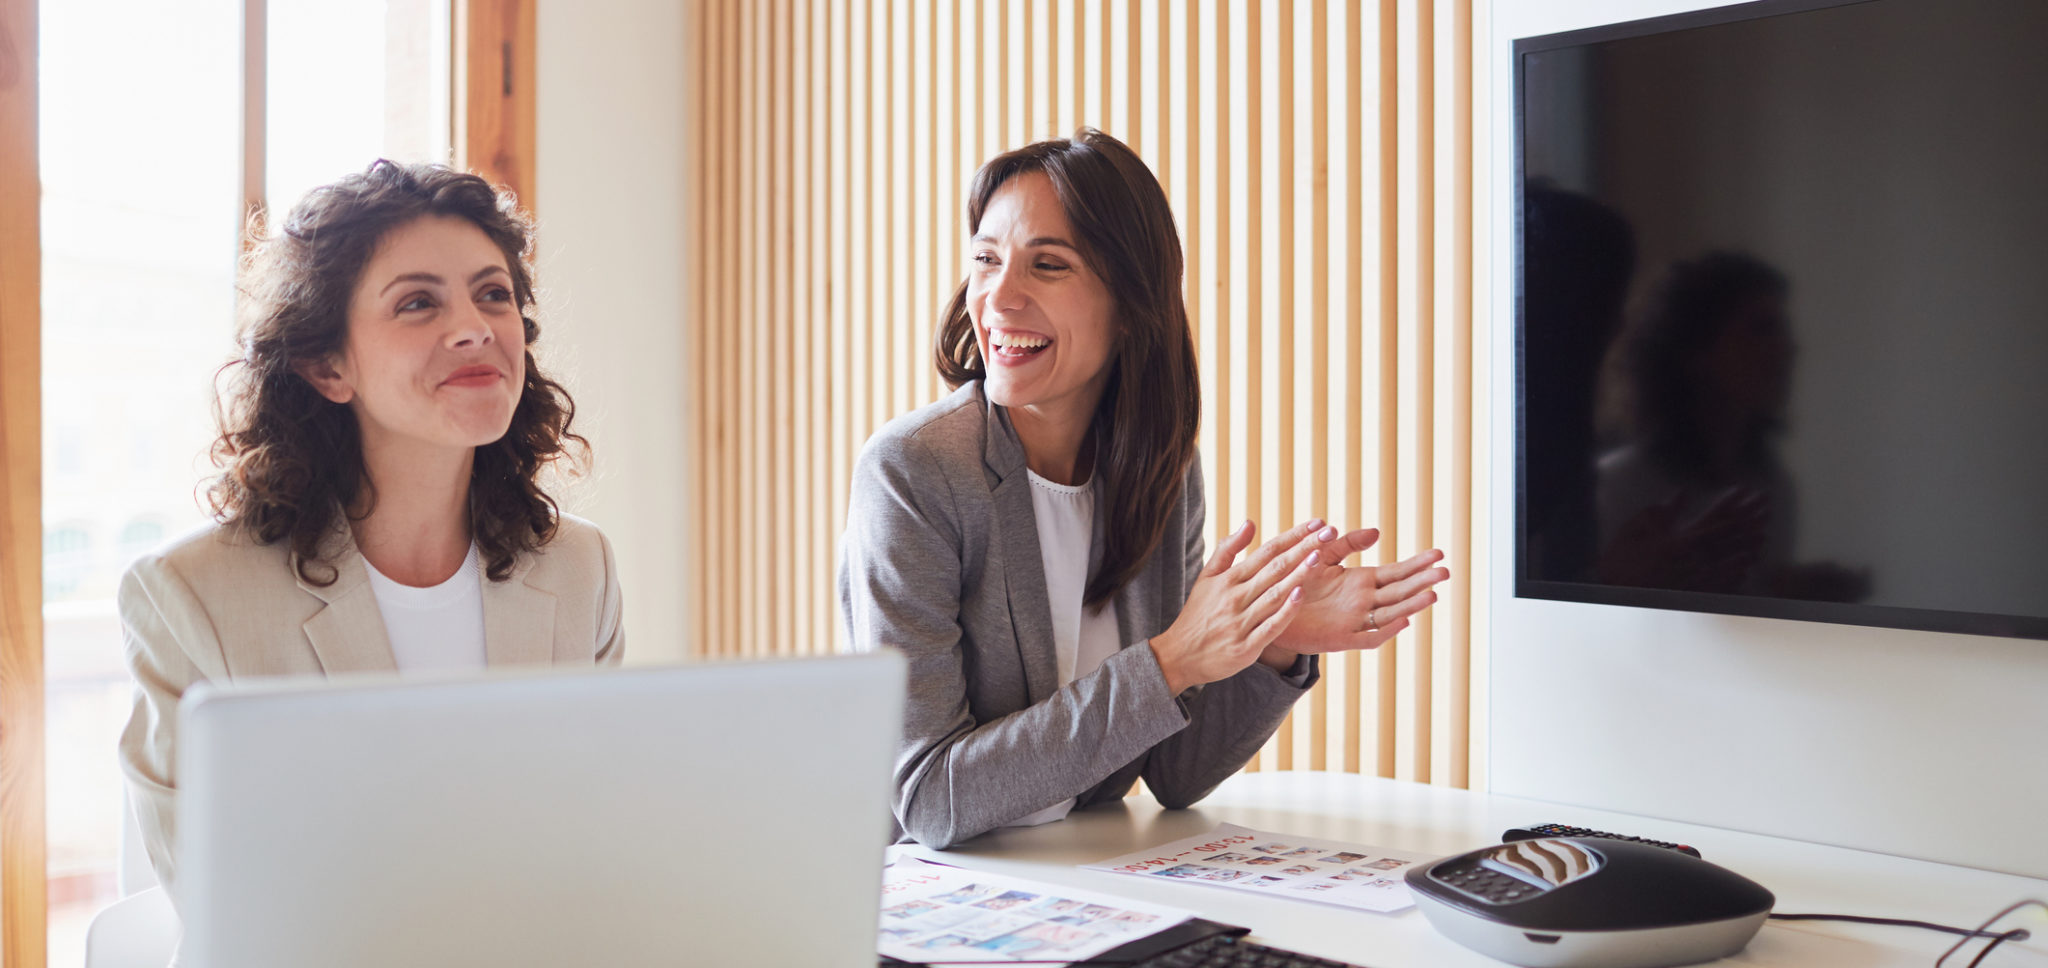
(1372, 624)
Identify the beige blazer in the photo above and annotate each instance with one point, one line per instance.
(217, 606)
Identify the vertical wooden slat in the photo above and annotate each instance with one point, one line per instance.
(1319, 317)
(1389, 399)
(1001, 36)
(1054, 68)
(868, 240)
(711, 337)
(881, 329)
(1354, 331)
(755, 400)
(799, 344)
(695, 608)
(926, 307)
(1416, 369)
(816, 326)
(255, 116)
(785, 387)
(1256, 360)
(1450, 683)
(1163, 156)
(494, 72)
(24, 891)
(1220, 409)
(734, 639)
(1107, 70)
(710, 334)
(1028, 82)
(839, 343)
(1284, 365)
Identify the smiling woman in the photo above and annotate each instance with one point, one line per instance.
(1034, 542)
(379, 508)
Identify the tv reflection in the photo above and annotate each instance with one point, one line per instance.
(1691, 493)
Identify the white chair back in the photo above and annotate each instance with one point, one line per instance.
(134, 873)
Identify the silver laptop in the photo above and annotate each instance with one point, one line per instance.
(718, 814)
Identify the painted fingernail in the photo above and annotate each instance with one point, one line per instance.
(1246, 526)
(1317, 523)
(1328, 534)
(1312, 556)
(1295, 595)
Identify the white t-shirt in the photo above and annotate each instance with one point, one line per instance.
(434, 629)
(1065, 515)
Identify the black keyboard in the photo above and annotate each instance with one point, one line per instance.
(1225, 951)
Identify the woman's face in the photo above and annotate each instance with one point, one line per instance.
(436, 346)
(1041, 316)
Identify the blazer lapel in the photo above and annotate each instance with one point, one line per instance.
(519, 620)
(348, 635)
(1023, 565)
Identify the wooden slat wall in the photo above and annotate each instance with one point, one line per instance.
(1318, 155)
(23, 890)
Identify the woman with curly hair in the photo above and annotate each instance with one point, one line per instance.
(379, 507)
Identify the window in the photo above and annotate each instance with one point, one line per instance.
(141, 143)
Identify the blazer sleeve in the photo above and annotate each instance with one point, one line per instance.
(901, 585)
(1229, 719)
(611, 631)
(169, 644)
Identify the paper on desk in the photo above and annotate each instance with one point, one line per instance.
(1280, 865)
(932, 913)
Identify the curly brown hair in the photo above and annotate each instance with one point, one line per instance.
(291, 460)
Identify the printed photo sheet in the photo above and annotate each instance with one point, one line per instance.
(944, 914)
(1281, 865)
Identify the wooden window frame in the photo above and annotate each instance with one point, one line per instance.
(493, 92)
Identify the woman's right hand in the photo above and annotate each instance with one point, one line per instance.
(1237, 608)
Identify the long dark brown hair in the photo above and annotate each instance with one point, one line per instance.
(292, 460)
(1144, 428)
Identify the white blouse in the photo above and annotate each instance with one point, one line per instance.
(435, 629)
(1082, 639)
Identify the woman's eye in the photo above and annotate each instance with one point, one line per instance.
(415, 304)
(1051, 267)
(985, 258)
(497, 294)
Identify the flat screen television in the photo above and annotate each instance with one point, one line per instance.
(1781, 297)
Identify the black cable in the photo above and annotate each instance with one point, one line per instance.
(1967, 933)
(2016, 934)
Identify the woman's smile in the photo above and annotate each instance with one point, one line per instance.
(474, 376)
(1016, 347)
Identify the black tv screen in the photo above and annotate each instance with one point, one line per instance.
(1782, 313)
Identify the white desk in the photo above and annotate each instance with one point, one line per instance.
(1805, 877)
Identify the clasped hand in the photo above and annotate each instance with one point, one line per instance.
(1292, 595)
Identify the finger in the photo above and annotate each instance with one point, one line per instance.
(1399, 570)
(1227, 550)
(1272, 598)
(1359, 540)
(1270, 629)
(1410, 587)
(1389, 614)
(1374, 638)
(1280, 544)
(1298, 559)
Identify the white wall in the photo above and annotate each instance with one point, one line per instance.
(1920, 744)
(610, 196)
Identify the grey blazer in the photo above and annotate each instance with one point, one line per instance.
(941, 560)
(217, 606)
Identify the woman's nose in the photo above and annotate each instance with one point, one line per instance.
(468, 327)
(1006, 291)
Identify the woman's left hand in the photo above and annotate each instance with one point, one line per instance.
(1356, 606)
